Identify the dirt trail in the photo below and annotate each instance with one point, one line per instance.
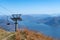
(7, 37)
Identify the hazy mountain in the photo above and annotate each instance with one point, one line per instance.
(43, 23)
(51, 21)
(40, 16)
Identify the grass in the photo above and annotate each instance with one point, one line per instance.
(3, 34)
(29, 35)
(11, 38)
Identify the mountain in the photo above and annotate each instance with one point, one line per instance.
(3, 33)
(51, 21)
(26, 34)
(40, 16)
(46, 24)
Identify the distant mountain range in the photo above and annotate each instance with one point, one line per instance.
(47, 24)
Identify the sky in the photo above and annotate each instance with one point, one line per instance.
(8, 7)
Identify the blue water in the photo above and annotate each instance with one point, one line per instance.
(43, 28)
(48, 30)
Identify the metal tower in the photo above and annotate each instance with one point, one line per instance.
(15, 18)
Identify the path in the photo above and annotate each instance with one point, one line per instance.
(7, 37)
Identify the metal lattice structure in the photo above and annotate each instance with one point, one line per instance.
(16, 18)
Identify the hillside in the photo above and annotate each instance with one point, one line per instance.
(3, 34)
(49, 25)
(29, 35)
